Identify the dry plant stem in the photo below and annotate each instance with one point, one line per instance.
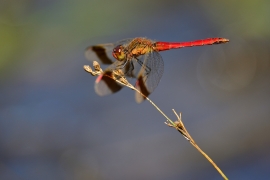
(209, 159)
(168, 119)
(119, 77)
(181, 127)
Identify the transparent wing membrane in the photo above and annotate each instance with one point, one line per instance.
(150, 74)
(101, 53)
(105, 85)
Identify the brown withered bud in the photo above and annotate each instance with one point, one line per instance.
(88, 69)
(96, 66)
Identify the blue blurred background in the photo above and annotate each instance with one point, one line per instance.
(54, 126)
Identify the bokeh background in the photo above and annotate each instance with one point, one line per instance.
(54, 126)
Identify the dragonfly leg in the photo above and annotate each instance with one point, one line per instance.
(132, 66)
(121, 66)
(131, 69)
(147, 69)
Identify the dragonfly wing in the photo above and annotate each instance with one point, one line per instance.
(124, 42)
(149, 75)
(105, 85)
(101, 53)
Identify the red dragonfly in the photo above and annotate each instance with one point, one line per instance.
(137, 58)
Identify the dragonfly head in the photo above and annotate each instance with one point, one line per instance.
(118, 53)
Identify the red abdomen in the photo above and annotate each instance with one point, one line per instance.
(163, 46)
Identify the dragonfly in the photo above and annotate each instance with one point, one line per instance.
(137, 58)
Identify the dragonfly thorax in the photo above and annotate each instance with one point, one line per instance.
(118, 53)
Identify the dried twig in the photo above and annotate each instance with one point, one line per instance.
(119, 77)
(182, 129)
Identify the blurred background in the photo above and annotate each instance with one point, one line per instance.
(54, 126)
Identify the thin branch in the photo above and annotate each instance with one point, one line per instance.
(182, 129)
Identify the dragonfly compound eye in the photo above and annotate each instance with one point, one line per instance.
(118, 53)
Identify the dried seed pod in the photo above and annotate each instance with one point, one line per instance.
(96, 66)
